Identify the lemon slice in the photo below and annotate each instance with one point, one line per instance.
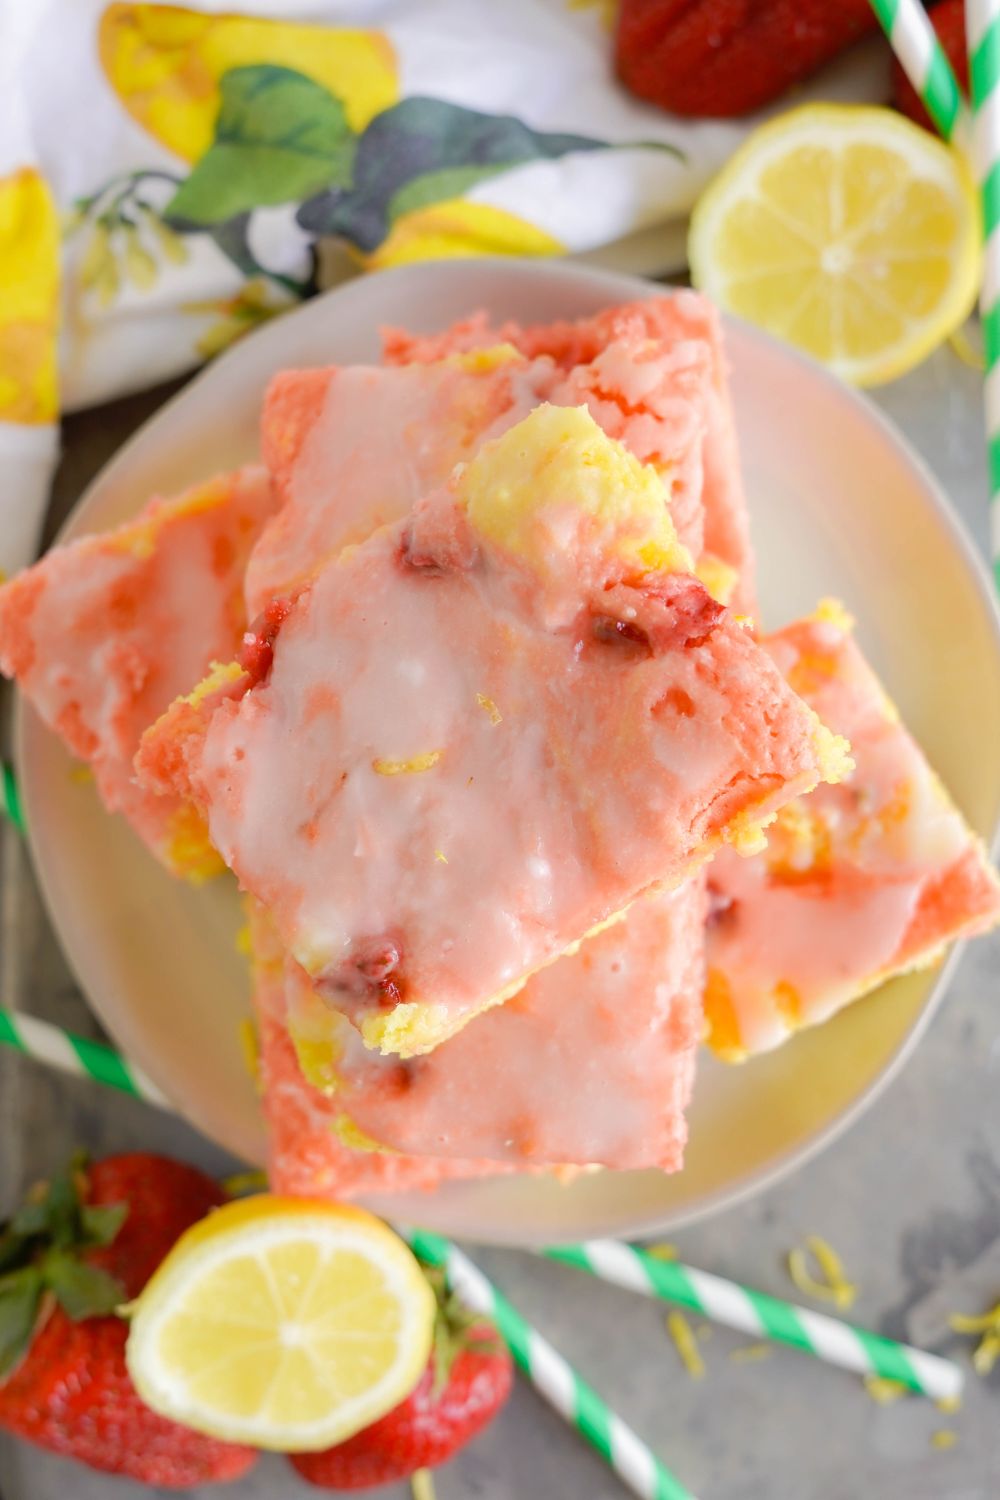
(846, 230)
(282, 1323)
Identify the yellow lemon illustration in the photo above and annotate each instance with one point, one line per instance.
(458, 228)
(164, 63)
(29, 298)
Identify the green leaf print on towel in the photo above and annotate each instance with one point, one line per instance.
(424, 151)
(279, 137)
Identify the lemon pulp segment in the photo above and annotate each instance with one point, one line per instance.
(283, 1323)
(847, 231)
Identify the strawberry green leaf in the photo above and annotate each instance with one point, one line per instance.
(100, 1222)
(20, 1297)
(62, 1208)
(30, 1219)
(279, 137)
(82, 1291)
(15, 1248)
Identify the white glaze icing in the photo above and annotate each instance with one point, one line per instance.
(619, 763)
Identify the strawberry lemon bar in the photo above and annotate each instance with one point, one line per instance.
(610, 361)
(478, 736)
(352, 448)
(313, 1148)
(324, 439)
(592, 1063)
(858, 882)
(103, 634)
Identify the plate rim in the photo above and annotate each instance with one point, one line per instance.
(617, 287)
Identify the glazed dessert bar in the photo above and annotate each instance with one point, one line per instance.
(616, 386)
(478, 736)
(350, 449)
(592, 1063)
(313, 1150)
(105, 632)
(858, 882)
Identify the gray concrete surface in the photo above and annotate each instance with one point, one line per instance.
(910, 1197)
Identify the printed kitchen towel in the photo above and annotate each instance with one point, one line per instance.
(172, 176)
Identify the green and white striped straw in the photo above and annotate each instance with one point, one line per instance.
(762, 1316)
(10, 801)
(555, 1379)
(924, 62)
(76, 1055)
(982, 22)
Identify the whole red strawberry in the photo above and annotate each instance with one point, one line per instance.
(728, 57)
(81, 1246)
(948, 20)
(464, 1386)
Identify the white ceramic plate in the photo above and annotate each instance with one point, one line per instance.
(840, 506)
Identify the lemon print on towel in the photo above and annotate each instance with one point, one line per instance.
(393, 192)
(264, 114)
(29, 278)
(460, 227)
(166, 64)
(272, 113)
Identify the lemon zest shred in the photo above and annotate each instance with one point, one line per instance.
(882, 1390)
(354, 1138)
(494, 714)
(987, 1351)
(242, 1184)
(944, 1438)
(481, 361)
(407, 767)
(422, 1485)
(949, 1404)
(835, 1287)
(81, 775)
(250, 1049)
(830, 611)
(747, 1354)
(987, 1322)
(686, 1345)
(661, 1250)
(440, 856)
(986, 1354)
(243, 941)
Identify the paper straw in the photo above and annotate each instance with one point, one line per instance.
(76, 1055)
(762, 1316)
(552, 1376)
(923, 60)
(982, 21)
(10, 801)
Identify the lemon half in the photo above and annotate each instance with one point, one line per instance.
(282, 1323)
(847, 231)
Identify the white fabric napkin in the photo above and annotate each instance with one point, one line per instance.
(167, 174)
